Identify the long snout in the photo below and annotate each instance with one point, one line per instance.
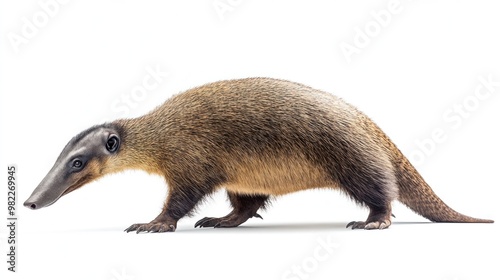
(48, 191)
(40, 198)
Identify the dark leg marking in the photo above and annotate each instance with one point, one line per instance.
(374, 196)
(181, 201)
(379, 218)
(374, 191)
(244, 207)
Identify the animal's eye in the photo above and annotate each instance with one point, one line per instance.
(112, 144)
(77, 163)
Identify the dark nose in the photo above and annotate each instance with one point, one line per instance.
(30, 205)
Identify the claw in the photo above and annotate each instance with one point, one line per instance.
(205, 222)
(151, 227)
(256, 215)
(383, 224)
(140, 229)
(372, 225)
(132, 228)
(200, 222)
(356, 225)
(353, 224)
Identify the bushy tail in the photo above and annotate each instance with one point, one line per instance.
(415, 193)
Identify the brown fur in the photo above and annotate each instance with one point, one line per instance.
(257, 138)
(263, 137)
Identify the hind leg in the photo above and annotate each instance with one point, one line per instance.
(379, 218)
(375, 189)
(378, 197)
(244, 207)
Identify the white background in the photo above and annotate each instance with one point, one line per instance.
(74, 70)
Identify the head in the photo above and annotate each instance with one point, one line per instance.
(85, 158)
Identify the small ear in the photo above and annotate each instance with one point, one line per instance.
(112, 143)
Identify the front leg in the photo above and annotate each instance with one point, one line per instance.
(180, 201)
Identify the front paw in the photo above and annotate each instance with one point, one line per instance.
(152, 227)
